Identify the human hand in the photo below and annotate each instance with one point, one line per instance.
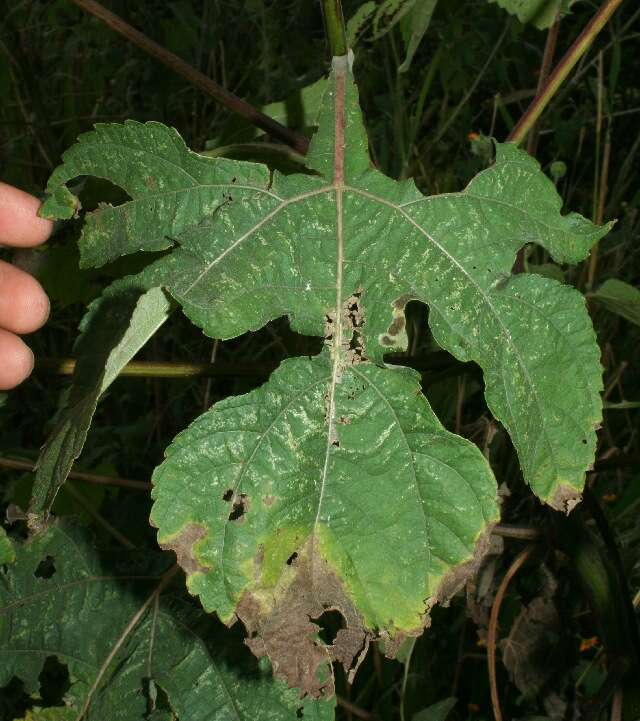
(24, 306)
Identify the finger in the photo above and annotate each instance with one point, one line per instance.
(20, 225)
(16, 360)
(24, 306)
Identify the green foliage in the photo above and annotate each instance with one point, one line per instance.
(114, 329)
(126, 639)
(413, 17)
(540, 13)
(286, 489)
(437, 712)
(7, 553)
(620, 298)
(61, 71)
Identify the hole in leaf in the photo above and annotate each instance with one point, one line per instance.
(157, 699)
(335, 443)
(228, 495)
(292, 558)
(14, 700)
(46, 568)
(330, 622)
(300, 712)
(54, 682)
(240, 506)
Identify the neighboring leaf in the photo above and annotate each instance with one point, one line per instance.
(113, 330)
(437, 711)
(414, 26)
(359, 20)
(116, 630)
(51, 713)
(334, 485)
(541, 13)
(619, 298)
(389, 13)
(547, 270)
(534, 652)
(301, 108)
(7, 552)
(379, 18)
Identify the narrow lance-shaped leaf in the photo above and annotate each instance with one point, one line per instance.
(414, 27)
(334, 485)
(113, 330)
(121, 632)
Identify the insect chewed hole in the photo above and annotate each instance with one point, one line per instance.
(228, 495)
(21, 701)
(240, 506)
(300, 712)
(335, 443)
(292, 558)
(54, 682)
(330, 622)
(46, 568)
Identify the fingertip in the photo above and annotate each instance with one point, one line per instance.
(20, 224)
(16, 360)
(24, 306)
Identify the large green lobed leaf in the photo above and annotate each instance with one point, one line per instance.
(334, 485)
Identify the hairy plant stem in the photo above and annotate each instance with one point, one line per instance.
(335, 27)
(562, 70)
(237, 105)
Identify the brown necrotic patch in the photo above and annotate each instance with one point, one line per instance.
(289, 632)
(396, 335)
(565, 499)
(309, 622)
(183, 546)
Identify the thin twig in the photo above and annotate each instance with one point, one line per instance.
(602, 182)
(194, 76)
(432, 362)
(522, 533)
(207, 391)
(96, 479)
(158, 369)
(562, 70)
(545, 67)
(519, 561)
(97, 517)
(465, 100)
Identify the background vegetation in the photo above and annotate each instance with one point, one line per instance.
(567, 641)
